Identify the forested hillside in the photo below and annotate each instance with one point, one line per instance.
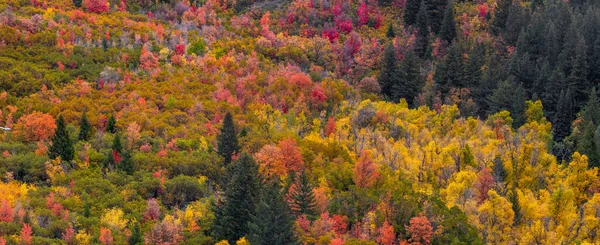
(299, 122)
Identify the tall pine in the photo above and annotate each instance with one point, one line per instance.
(409, 79)
(233, 211)
(272, 222)
(227, 139)
(84, 128)
(61, 143)
(411, 10)
(302, 197)
(422, 41)
(111, 125)
(389, 71)
(564, 116)
(449, 72)
(448, 31)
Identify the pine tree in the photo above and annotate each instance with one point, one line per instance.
(111, 124)
(411, 11)
(448, 31)
(409, 79)
(435, 14)
(86, 210)
(84, 128)
(126, 164)
(473, 65)
(136, 236)
(61, 143)
(422, 42)
(390, 31)
(303, 198)
(116, 144)
(516, 207)
(272, 223)
(564, 116)
(501, 16)
(388, 76)
(511, 97)
(227, 140)
(591, 111)
(577, 79)
(586, 143)
(233, 212)
(77, 3)
(449, 72)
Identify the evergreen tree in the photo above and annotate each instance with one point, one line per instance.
(126, 164)
(109, 162)
(494, 71)
(86, 210)
(586, 143)
(390, 31)
(233, 212)
(422, 42)
(577, 79)
(227, 140)
(591, 111)
(61, 143)
(516, 207)
(77, 3)
(111, 124)
(116, 144)
(272, 223)
(473, 65)
(564, 116)
(511, 97)
(411, 11)
(449, 72)
(408, 82)
(84, 128)
(501, 16)
(515, 22)
(303, 198)
(448, 31)
(136, 236)
(435, 14)
(388, 76)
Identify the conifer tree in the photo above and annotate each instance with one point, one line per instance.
(111, 124)
(272, 222)
(577, 79)
(411, 11)
(472, 67)
(435, 14)
(511, 97)
(61, 143)
(591, 111)
(448, 31)
(409, 79)
(303, 198)
(77, 3)
(233, 211)
(564, 116)
(126, 164)
(136, 236)
(116, 144)
(389, 71)
(227, 140)
(390, 31)
(84, 128)
(501, 16)
(449, 72)
(422, 42)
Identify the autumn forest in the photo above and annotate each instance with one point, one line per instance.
(308, 122)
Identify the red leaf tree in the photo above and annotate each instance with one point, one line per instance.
(420, 230)
(96, 6)
(365, 171)
(485, 182)
(36, 126)
(26, 234)
(6, 212)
